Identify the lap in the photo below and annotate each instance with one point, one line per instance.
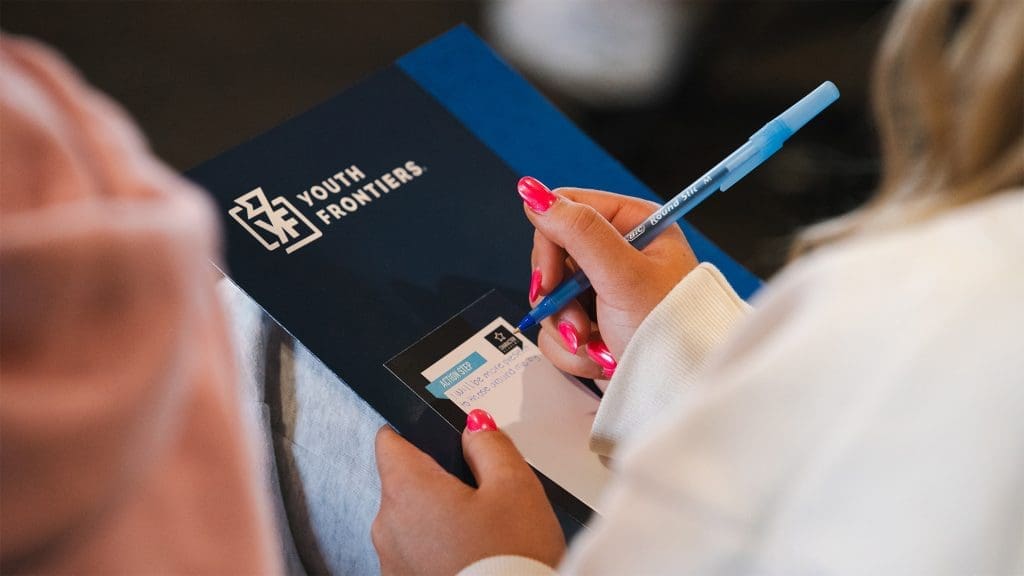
(318, 437)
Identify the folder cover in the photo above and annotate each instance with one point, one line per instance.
(373, 219)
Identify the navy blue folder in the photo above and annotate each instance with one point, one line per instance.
(371, 220)
(530, 135)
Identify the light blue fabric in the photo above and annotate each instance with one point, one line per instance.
(318, 445)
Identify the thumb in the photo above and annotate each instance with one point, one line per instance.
(591, 240)
(399, 463)
(491, 455)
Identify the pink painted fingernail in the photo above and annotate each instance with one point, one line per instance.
(535, 279)
(569, 335)
(598, 352)
(536, 195)
(478, 420)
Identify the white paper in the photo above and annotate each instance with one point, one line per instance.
(547, 413)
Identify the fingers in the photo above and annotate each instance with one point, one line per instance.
(548, 261)
(572, 324)
(623, 212)
(584, 233)
(491, 455)
(568, 331)
(578, 364)
(549, 269)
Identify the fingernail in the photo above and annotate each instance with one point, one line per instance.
(536, 195)
(599, 353)
(569, 335)
(535, 279)
(607, 374)
(478, 420)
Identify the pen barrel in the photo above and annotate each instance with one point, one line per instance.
(564, 293)
(676, 208)
(759, 147)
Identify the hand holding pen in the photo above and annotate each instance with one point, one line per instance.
(588, 226)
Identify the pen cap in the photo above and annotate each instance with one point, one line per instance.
(770, 138)
(809, 106)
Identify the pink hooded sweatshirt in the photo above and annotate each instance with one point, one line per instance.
(123, 447)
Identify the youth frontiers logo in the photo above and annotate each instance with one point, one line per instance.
(274, 223)
(277, 222)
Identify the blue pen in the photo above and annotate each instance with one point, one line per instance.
(756, 150)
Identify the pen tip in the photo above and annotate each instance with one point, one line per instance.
(516, 331)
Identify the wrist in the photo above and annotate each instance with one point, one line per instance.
(664, 355)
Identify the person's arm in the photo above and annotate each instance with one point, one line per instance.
(695, 301)
(809, 445)
(124, 447)
(659, 364)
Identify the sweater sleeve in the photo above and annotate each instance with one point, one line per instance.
(667, 351)
(507, 566)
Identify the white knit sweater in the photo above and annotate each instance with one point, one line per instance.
(868, 418)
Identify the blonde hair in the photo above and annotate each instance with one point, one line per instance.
(949, 105)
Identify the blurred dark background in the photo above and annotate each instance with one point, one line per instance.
(202, 77)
